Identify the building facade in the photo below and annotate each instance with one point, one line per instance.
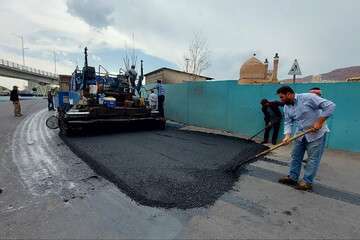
(168, 76)
(353, 79)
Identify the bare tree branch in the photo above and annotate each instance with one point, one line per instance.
(197, 58)
(126, 57)
(130, 56)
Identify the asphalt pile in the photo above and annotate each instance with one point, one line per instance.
(168, 169)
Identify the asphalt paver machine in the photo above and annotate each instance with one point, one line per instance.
(98, 100)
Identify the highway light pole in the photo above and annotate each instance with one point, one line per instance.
(22, 48)
(55, 60)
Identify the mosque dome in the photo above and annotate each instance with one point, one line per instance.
(253, 69)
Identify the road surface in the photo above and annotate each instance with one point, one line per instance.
(171, 168)
(49, 192)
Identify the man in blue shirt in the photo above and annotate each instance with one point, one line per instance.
(161, 97)
(302, 112)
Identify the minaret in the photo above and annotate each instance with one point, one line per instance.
(275, 69)
(86, 57)
(266, 68)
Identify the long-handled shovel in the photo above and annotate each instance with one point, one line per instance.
(258, 133)
(240, 162)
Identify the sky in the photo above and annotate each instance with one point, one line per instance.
(322, 34)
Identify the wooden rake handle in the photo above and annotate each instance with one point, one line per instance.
(240, 163)
(283, 144)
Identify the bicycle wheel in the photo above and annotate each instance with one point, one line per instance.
(52, 122)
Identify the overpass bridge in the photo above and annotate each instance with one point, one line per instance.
(18, 71)
(41, 80)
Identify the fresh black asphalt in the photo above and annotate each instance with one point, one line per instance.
(168, 168)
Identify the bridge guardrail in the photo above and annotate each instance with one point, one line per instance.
(27, 69)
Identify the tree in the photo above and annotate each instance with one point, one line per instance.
(130, 56)
(197, 58)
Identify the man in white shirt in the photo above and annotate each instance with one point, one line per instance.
(153, 100)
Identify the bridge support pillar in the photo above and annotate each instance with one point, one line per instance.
(41, 89)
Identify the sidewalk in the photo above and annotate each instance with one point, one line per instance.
(259, 207)
(339, 169)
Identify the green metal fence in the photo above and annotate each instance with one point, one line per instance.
(228, 106)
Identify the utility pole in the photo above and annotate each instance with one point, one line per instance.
(55, 61)
(22, 48)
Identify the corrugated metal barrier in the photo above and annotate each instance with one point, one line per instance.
(236, 108)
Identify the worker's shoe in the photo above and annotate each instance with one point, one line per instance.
(264, 142)
(288, 181)
(303, 186)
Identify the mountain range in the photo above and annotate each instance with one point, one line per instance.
(337, 75)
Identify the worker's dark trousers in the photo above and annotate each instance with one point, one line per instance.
(51, 105)
(276, 128)
(161, 100)
(17, 108)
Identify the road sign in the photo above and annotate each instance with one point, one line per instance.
(295, 69)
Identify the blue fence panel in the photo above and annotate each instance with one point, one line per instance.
(208, 104)
(176, 102)
(345, 124)
(229, 106)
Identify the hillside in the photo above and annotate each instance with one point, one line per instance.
(340, 75)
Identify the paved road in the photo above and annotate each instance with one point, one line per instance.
(170, 169)
(50, 193)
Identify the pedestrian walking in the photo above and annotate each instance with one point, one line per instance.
(305, 111)
(272, 119)
(50, 98)
(14, 97)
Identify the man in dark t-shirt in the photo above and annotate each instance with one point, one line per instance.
(272, 118)
(14, 97)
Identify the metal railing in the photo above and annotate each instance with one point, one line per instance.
(27, 69)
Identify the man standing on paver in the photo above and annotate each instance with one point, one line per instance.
(272, 118)
(305, 111)
(161, 97)
(14, 97)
